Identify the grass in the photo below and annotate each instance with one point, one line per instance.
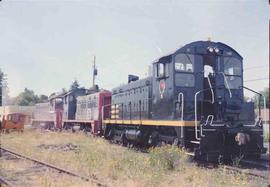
(119, 166)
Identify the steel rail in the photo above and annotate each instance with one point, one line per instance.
(61, 170)
(239, 170)
(6, 182)
(232, 168)
(260, 163)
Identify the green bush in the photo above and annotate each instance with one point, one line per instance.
(166, 157)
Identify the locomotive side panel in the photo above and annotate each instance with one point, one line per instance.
(87, 107)
(132, 101)
(70, 103)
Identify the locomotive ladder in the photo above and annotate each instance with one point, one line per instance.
(209, 117)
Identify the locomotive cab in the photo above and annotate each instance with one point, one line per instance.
(203, 82)
(225, 124)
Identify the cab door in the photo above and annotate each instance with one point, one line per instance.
(162, 93)
(187, 80)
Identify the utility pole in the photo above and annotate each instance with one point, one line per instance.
(94, 71)
(1, 87)
(1, 91)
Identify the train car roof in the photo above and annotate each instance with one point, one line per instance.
(132, 85)
(61, 95)
(200, 47)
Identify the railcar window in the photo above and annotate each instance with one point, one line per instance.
(184, 80)
(21, 118)
(15, 118)
(233, 72)
(184, 62)
(232, 66)
(234, 82)
(162, 70)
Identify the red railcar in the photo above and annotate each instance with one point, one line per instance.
(74, 108)
(89, 111)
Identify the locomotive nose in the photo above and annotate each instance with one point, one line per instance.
(242, 138)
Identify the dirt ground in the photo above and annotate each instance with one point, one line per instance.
(109, 163)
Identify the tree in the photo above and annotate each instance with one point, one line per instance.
(64, 90)
(75, 85)
(265, 93)
(29, 98)
(26, 98)
(43, 98)
(1, 85)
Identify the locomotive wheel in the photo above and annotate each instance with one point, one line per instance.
(124, 140)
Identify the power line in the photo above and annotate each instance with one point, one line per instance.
(256, 79)
(255, 67)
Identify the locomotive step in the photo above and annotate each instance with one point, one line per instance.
(195, 142)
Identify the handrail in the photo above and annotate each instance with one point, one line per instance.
(212, 92)
(212, 118)
(211, 122)
(102, 111)
(201, 131)
(264, 103)
(195, 106)
(181, 96)
(226, 84)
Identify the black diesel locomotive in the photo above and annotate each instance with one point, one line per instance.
(193, 99)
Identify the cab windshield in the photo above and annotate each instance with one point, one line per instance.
(233, 72)
(184, 69)
(184, 63)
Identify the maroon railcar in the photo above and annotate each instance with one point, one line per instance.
(74, 109)
(50, 114)
(89, 111)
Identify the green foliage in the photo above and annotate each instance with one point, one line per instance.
(64, 90)
(1, 80)
(42, 98)
(256, 98)
(1, 76)
(166, 157)
(29, 98)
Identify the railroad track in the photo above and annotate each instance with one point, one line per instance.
(253, 173)
(5, 182)
(51, 166)
(260, 163)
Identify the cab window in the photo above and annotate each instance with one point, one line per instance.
(184, 62)
(232, 66)
(234, 82)
(162, 70)
(233, 72)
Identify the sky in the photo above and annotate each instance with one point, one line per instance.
(45, 45)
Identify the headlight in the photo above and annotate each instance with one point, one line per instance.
(211, 49)
(216, 50)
